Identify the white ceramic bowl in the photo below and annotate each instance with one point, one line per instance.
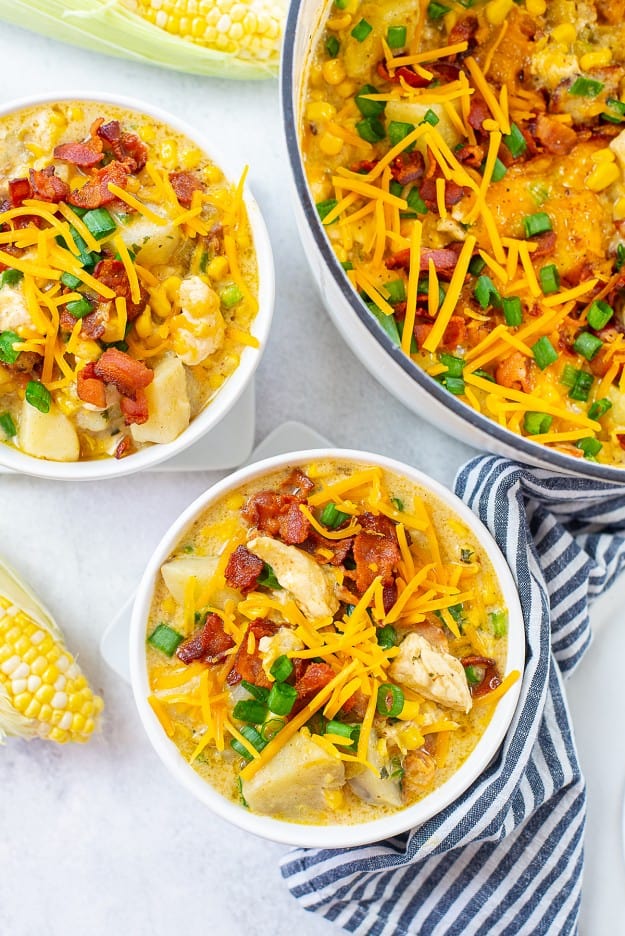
(296, 833)
(386, 362)
(234, 386)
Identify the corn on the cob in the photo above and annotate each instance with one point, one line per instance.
(43, 693)
(228, 38)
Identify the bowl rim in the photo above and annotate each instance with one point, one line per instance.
(533, 451)
(234, 386)
(300, 834)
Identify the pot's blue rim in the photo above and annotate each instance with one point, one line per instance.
(532, 450)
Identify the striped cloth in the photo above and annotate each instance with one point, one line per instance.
(507, 856)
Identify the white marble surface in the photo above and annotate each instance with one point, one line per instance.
(98, 840)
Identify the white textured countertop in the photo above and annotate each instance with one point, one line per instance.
(98, 840)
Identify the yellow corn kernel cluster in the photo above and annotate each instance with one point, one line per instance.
(605, 173)
(40, 682)
(251, 30)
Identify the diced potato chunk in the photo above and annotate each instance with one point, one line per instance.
(304, 578)
(156, 242)
(177, 573)
(168, 403)
(376, 788)
(13, 311)
(294, 782)
(47, 435)
(413, 112)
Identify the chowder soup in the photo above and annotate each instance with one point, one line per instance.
(467, 163)
(327, 644)
(128, 281)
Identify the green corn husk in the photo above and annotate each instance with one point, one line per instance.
(109, 27)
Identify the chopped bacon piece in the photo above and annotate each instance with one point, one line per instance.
(126, 147)
(94, 324)
(356, 706)
(546, 244)
(409, 75)
(315, 677)
(124, 448)
(89, 387)
(294, 526)
(515, 372)
(86, 155)
(47, 186)
(490, 680)
(126, 373)
(135, 412)
(298, 484)
(375, 554)
(19, 190)
(338, 548)
(96, 192)
(377, 523)
(243, 569)
(112, 273)
(453, 193)
(389, 596)
(470, 155)
(478, 111)
(184, 185)
(249, 666)
(445, 260)
(278, 515)
(136, 152)
(621, 440)
(464, 31)
(209, 644)
(555, 136)
(453, 335)
(365, 165)
(408, 167)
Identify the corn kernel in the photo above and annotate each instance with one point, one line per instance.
(169, 154)
(218, 268)
(618, 211)
(50, 676)
(333, 71)
(190, 159)
(143, 325)
(604, 175)
(212, 175)
(21, 701)
(147, 133)
(320, 110)
(329, 144)
(235, 502)
(604, 155)
(171, 287)
(347, 88)
(535, 7)
(338, 23)
(75, 112)
(598, 59)
(565, 33)
(45, 713)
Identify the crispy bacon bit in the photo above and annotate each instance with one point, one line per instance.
(135, 412)
(408, 167)
(546, 244)
(376, 551)
(249, 666)
(555, 136)
(126, 147)
(19, 190)
(124, 372)
(89, 387)
(298, 484)
(365, 165)
(338, 548)
(315, 677)
(464, 31)
(47, 186)
(96, 192)
(515, 372)
(243, 569)
(209, 644)
(294, 526)
(471, 155)
(445, 260)
(356, 706)
(453, 335)
(86, 155)
(124, 448)
(277, 515)
(112, 273)
(389, 596)
(621, 440)
(184, 185)
(490, 679)
(453, 193)
(94, 324)
(478, 112)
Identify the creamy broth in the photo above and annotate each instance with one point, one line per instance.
(230, 627)
(123, 310)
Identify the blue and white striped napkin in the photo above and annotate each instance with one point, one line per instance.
(507, 857)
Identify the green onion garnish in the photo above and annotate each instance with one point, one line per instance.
(538, 223)
(499, 170)
(260, 693)
(465, 555)
(281, 669)
(473, 675)
(568, 376)
(515, 141)
(271, 728)
(587, 345)
(249, 710)
(620, 258)
(455, 385)
(10, 277)
(386, 322)
(250, 734)
(512, 311)
(436, 10)
(203, 261)
(581, 389)
(38, 396)
(332, 517)
(230, 296)
(549, 279)
(341, 731)
(599, 408)
(430, 117)
(476, 265)
(165, 639)
(396, 37)
(454, 365)
(332, 46)
(99, 222)
(80, 308)
(486, 292)
(371, 129)
(615, 112)
(72, 282)
(8, 354)
(325, 207)
(599, 314)
(268, 577)
(7, 425)
(398, 131)
(387, 637)
(281, 698)
(347, 265)
(396, 290)
(544, 352)
(590, 447)
(498, 621)
(586, 87)
(390, 700)
(397, 503)
(537, 423)
(415, 202)
(361, 30)
(367, 107)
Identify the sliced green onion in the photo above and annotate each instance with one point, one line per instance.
(10, 277)
(465, 555)
(498, 621)
(615, 112)
(268, 577)
(486, 292)
(271, 728)
(332, 517)
(476, 265)
(398, 130)
(620, 258)
(430, 117)
(599, 314)
(68, 279)
(165, 639)
(249, 710)
(396, 37)
(395, 188)
(454, 365)
(387, 637)
(361, 30)
(568, 376)
(347, 265)
(230, 296)
(332, 46)
(586, 87)
(581, 389)
(38, 396)
(203, 261)
(599, 408)
(281, 669)
(499, 170)
(544, 352)
(512, 311)
(474, 677)
(371, 129)
(537, 423)
(415, 202)
(590, 447)
(250, 734)
(455, 385)
(367, 107)
(8, 354)
(281, 698)
(538, 223)
(7, 425)
(515, 141)
(341, 4)
(390, 700)
(587, 345)
(99, 222)
(437, 11)
(480, 372)
(325, 207)
(260, 693)
(341, 731)
(549, 279)
(396, 291)
(397, 503)
(80, 308)
(387, 322)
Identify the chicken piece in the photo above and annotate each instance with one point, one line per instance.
(199, 327)
(13, 310)
(47, 435)
(177, 572)
(379, 789)
(311, 589)
(281, 643)
(293, 784)
(168, 403)
(433, 673)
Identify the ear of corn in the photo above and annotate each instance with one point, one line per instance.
(225, 38)
(43, 693)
